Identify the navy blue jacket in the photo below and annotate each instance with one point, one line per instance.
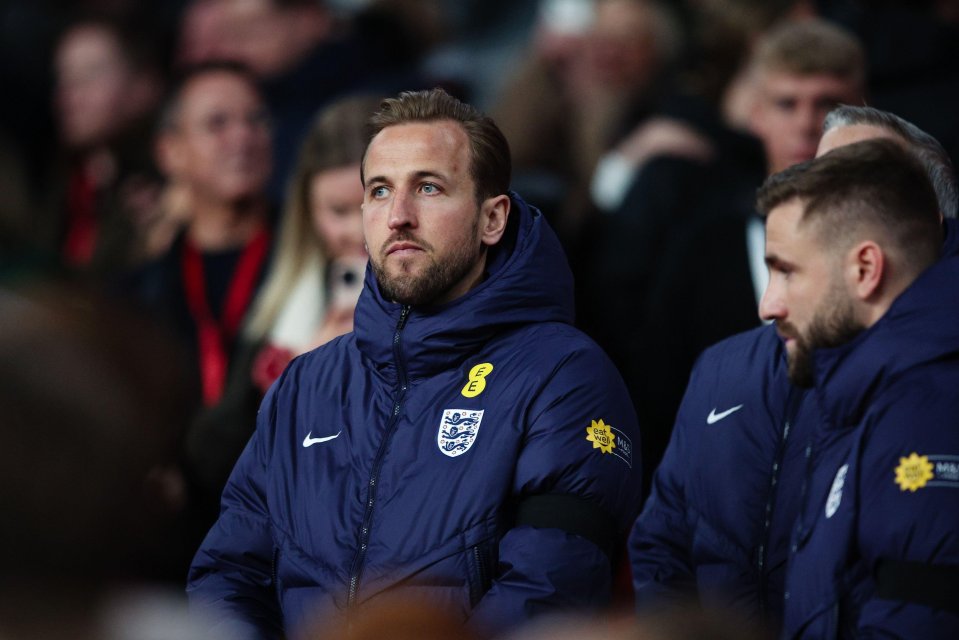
(718, 520)
(396, 457)
(884, 483)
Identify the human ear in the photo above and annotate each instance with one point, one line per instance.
(494, 212)
(866, 269)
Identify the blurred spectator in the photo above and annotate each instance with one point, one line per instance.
(307, 298)
(688, 622)
(321, 254)
(799, 72)
(397, 617)
(592, 65)
(303, 54)
(108, 82)
(687, 214)
(214, 144)
(92, 400)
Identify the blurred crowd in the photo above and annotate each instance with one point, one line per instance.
(180, 217)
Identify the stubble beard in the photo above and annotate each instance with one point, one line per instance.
(834, 324)
(437, 279)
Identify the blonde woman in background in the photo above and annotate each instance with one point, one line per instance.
(310, 295)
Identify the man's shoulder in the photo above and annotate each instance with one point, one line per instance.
(334, 356)
(555, 343)
(746, 371)
(756, 346)
(920, 403)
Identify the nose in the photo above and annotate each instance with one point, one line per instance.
(771, 305)
(402, 213)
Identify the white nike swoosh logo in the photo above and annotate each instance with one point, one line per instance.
(307, 441)
(714, 417)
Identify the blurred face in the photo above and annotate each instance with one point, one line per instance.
(336, 207)
(220, 145)
(620, 46)
(91, 76)
(420, 215)
(789, 112)
(806, 296)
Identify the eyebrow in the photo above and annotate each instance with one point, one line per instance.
(773, 261)
(415, 175)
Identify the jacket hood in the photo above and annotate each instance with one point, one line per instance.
(921, 325)
(527, 280)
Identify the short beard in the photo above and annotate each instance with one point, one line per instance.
(438, 278)
(835, 324)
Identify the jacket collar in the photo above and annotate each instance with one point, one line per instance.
(528, 281)
(920, 326)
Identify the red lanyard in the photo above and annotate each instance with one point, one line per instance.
(82, 225)
(214, 336)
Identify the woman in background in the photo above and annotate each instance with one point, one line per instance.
(309, 297)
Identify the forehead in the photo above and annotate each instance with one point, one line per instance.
(439, 147)
(848, 134)
(87, 43)
(217, 90)
(786, 237)
(785, 83)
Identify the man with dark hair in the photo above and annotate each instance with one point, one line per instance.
(868, 320)
(465, 445)
(741, 420)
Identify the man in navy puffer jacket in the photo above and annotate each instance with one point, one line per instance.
(868, 315)
(465, 444)
(718, 521)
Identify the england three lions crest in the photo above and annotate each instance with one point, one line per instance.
(458, 430)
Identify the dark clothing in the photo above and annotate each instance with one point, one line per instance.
(667, 197)
(397, 456)
(883, 485)
(219, 431)
(718, 520)
(703, 292)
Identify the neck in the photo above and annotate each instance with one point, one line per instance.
(217, 228)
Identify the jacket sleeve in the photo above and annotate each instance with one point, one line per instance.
(909, 515)
(231, 577)
(660, 543)
(581, 444)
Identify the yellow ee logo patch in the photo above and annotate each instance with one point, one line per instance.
(601, 436)
(913, 472)
(477, 380)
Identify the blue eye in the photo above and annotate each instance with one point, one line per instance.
(378, 192)
(430, 188)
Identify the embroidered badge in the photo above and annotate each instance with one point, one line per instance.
(835, 492)
(458, 429)
(913, 472)
(601, 436)
(477, 380)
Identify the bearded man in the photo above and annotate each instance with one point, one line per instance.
(867, 311)
(465, 445)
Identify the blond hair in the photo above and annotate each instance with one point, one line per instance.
(337, 138)
(811, 47)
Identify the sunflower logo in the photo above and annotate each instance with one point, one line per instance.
(601, 436)
(913, 472)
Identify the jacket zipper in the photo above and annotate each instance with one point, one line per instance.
(378, 460)
(792, 403)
